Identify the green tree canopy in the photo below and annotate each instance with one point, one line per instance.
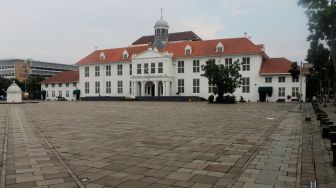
(224, 78)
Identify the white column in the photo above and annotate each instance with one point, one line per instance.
(165, 88)
(143, 88)
(156, 90)
(133, 91)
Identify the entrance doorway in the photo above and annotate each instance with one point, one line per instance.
(262, 97)
(149, 89)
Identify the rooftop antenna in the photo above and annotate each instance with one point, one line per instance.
(161, 13)
(245, 34)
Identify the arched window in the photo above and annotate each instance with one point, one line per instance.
(125, 54)
(187, 50)
(102, 56)
(220, 48)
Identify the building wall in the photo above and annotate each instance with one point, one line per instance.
(54, 87)
(288, 85)
(102, 79)
(170, 71)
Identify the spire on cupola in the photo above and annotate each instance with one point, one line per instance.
(161, 32)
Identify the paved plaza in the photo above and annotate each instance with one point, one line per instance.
(158, 145)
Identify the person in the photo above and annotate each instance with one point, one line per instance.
(241, 99)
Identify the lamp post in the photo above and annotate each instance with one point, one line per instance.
(26, 73)
(300, 98)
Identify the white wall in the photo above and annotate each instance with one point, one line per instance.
(49, 89)
(170, 68)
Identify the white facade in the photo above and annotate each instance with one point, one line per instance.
(96, 81)
(55, 90)
(14, 94)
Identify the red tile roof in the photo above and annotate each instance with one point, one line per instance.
(112, 55)
(278, 66)
(180, 36)
(232, 46)
(63, 77)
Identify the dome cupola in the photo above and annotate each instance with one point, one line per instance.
(161, 32)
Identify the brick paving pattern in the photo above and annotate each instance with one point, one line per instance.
(156, 144)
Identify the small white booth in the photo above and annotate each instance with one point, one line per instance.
(14, 94)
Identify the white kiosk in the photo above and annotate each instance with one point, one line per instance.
(14, 94)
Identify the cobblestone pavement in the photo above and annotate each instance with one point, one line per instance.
(150, 144)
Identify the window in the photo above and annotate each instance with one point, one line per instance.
(97, 71)
(295, 92)
(130, 69)
(60, 85)
(295, 79)
(67, 85)
(281, 92)
(180, 67)
(228, 62)
(146, 68)
(196, 85)
(108, 70)
(246, 64)
(119, 70)
(108, 87)
(211, 87)
(74, 84)
(67, 94)
(187, 50)
(120, 87)
(46, 85)
(125, 54)
(87, 87)
(97, 87)
(87, 71)
(60, 93)
(268, 79)
(196, 66)
(282, 79)
(138, 68)
(53, 94)
(246, 85)
(180, 86)
(102, 56)
(219, 47)
(153, 68)
(130, 87)
(52, 85)
(160, 67)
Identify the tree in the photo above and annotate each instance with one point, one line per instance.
(34, 86)
(294, 70)
(322, 25)
(224, 78)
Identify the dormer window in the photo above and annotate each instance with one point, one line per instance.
(125, 54)
(219, 48)
(187, 50)
(102, 56)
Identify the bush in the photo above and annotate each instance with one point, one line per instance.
(211, 99)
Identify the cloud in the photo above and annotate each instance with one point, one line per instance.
(207, 27)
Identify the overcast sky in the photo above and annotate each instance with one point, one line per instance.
(65, 31)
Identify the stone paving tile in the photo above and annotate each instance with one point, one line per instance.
(125, 144)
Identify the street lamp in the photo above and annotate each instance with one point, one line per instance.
(26, 73)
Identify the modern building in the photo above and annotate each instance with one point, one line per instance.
(20, 69)
(62, 85)
(169, 64)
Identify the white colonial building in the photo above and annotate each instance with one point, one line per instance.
(62, 85)
(169, 65)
